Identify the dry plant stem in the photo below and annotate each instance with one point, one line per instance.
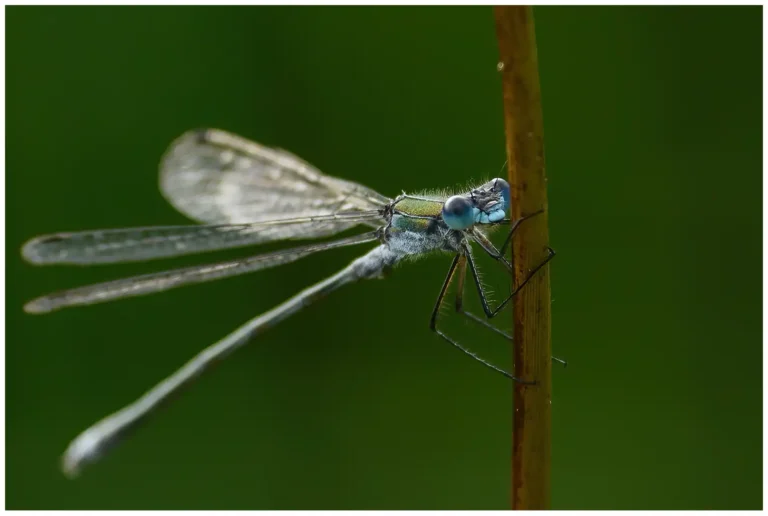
(531, 440)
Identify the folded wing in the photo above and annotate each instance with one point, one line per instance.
(141, 244)
(216, 177)
(161, 281)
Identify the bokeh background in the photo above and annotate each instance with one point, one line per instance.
(653, 137)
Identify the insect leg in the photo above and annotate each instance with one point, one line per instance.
(488, 247)
(514, 227)
(484, 301)
(498, 254)
(460, 262)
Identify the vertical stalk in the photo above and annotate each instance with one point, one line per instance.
(531, 439)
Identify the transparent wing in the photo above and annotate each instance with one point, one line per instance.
(160, 281)
(216, 177)
(141, 244)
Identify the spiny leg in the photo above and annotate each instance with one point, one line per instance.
(515, 225)
(489, 312)
(531, 274)
(497, 254)
(483, 299)
(460, 260)
(459, 303)
(504, 334)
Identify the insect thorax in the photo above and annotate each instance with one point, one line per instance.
(415, 226)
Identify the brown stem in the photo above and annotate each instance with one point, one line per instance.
(531, 440)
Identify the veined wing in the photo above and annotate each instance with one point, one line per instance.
(160, 281)
(141, 244)
(216, 177)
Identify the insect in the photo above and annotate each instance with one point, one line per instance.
(244, 193)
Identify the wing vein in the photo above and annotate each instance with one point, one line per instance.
(165, 280)
(141, 244)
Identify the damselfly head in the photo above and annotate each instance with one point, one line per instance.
(497, 189)
(484, 205)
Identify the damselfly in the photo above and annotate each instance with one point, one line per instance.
(244, 193)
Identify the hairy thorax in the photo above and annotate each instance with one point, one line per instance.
(415, 227)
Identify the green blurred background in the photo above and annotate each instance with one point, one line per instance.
(653, 136)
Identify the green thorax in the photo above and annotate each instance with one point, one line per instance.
(418, 207)
(416, 214)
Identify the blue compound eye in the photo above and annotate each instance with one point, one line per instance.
(458, 212)
(500, 184)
